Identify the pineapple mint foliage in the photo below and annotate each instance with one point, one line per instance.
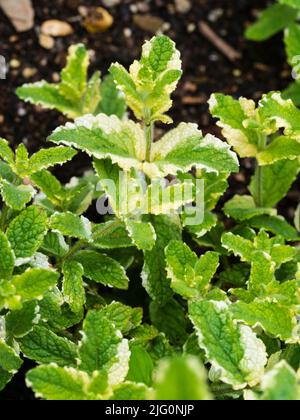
(142, 304)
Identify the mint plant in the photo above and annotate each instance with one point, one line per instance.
(277, 17)
(156, 298)
(76, 95)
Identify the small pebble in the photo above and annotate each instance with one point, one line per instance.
(111, 3)
(191, 27)
(127, 32)
(215, 15)
(56, 28)
(237, 73)
(29, 72)
(183, 6)
(148, 23)
(56, 77)
(2, 119)
(98, 20)
(14, 63)
(46, 41)
(21, 112)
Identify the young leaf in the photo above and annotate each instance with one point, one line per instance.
(7, 259)
(26, 232)
(237, 356)
(58, 384)
(181, 378)
(151, 80)
(49, 185)
(281, 148)
(73, 289)
(271, 21)
(242, 207)
(111, 235)
(189, 275)
(125, 318)
(232, 114)
(112, 100)
(50, 157)
(55, 244)
(130, 391)
(102, 269)
(43, 346)
(71, 225)
(5, 151)
(154, 271)
(16, 197)
(140, 365)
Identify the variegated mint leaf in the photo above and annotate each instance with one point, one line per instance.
(5, 151)
(237, 356)
(112, 99)
(9, 359)
(19, 323)
(50, 157)
(190, 276)
(26, 232)
(71, 225)
(124, 317)
(130, 391)
(151, 80)
(49, 185)
(73, 288)
(16, 197)
(291, 3)
(276, 320)
(232, 114)
(184, 148)
(103, 348)
(44, 346)
(55, 383)
(105, 137)
(111, 235)
(281, 148)
(7, 258)
(142, 234)
(102, 269)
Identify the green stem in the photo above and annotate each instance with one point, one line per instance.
(149, 132)
(259, 173)
(4, 215)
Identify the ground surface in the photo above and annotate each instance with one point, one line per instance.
(261, 68)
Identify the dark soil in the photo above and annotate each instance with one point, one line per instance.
(206, 70)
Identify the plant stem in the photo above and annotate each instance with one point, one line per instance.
(259, 173)
(4, 214)
(149, 131)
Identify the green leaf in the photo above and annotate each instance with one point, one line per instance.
(5, 378)
(26, 232)
(238, 245)
(48, 96)
(185, 147)
(33, 283)
(49, 185)
(271, 21)
(150, 82)
(16, 197)
(291, 39)
(54, 244)
(105, 137)
(102, 348)
(276, 181)
(154, 271)
(181, 378)
(190, 276)
(50, 157)
(92, 95)
(102, 269)
(73, 288)
(232, 114)
(130, 391)
(21, 322)
(237, 356)
(5, 151)
(112, 100)
(111, 235)
(7, 259)
(276, 225)
(242, 207)
(74, 75)
(281, 148)
(274, 318)
(71, 225)
(125, 318)
(280, 384)
(170, 319)
(21, 166)
(43, 346)
(9, 359)
(58, 384)
(140, 365)
(142, 234)
(291, 3)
